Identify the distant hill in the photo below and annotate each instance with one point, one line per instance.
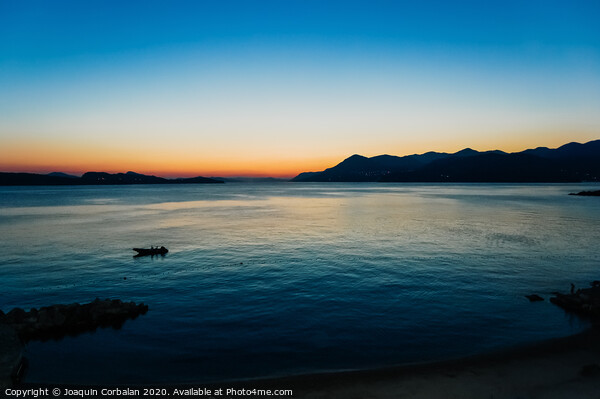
(571, 162)
(120, 178)
(93, 178)
(61, 174)
(32, 179)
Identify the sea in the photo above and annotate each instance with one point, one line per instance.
(267, 280)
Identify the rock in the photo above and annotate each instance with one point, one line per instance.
(584, 302)
(11, 356)
(44, 319)
(16, 315)
(534, 298)
(588, 193)
(57, 321)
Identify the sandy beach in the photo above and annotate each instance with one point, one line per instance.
(561, 368)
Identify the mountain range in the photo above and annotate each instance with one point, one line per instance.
(93, 178)
(572, 162)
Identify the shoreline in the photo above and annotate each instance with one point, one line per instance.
(555, 368)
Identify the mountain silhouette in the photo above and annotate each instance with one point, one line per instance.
(93, 178)
(571, 162)
(61, 174)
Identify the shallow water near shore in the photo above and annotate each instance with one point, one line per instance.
(277, 279)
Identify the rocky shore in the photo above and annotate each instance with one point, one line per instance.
(583, 302)
(17, 327)
(57, 321)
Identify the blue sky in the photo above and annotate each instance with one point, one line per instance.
(279, 87)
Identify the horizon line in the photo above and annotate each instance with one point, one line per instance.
(45, 170)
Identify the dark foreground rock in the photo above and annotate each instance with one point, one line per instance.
(11, 356)
(57, 321)
(584, 302)
(534, 298)
(54, 322)
(588, 193)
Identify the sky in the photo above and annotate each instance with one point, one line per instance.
(275, 88)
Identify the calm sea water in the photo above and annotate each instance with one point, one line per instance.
(265, 280)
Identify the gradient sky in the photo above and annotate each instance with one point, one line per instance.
(280, 87)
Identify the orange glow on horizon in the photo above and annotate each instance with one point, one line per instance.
(19, 155)
(78, 162)
(167, 171)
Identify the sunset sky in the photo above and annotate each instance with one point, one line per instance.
(226, 88)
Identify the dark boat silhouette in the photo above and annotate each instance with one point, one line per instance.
(150, 251)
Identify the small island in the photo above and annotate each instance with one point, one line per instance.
(588, 193)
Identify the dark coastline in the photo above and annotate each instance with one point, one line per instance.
(319, 384)
(528, 370)
(95, 179)
(549, 368)
(554, 368)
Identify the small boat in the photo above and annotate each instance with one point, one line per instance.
(150, 251)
